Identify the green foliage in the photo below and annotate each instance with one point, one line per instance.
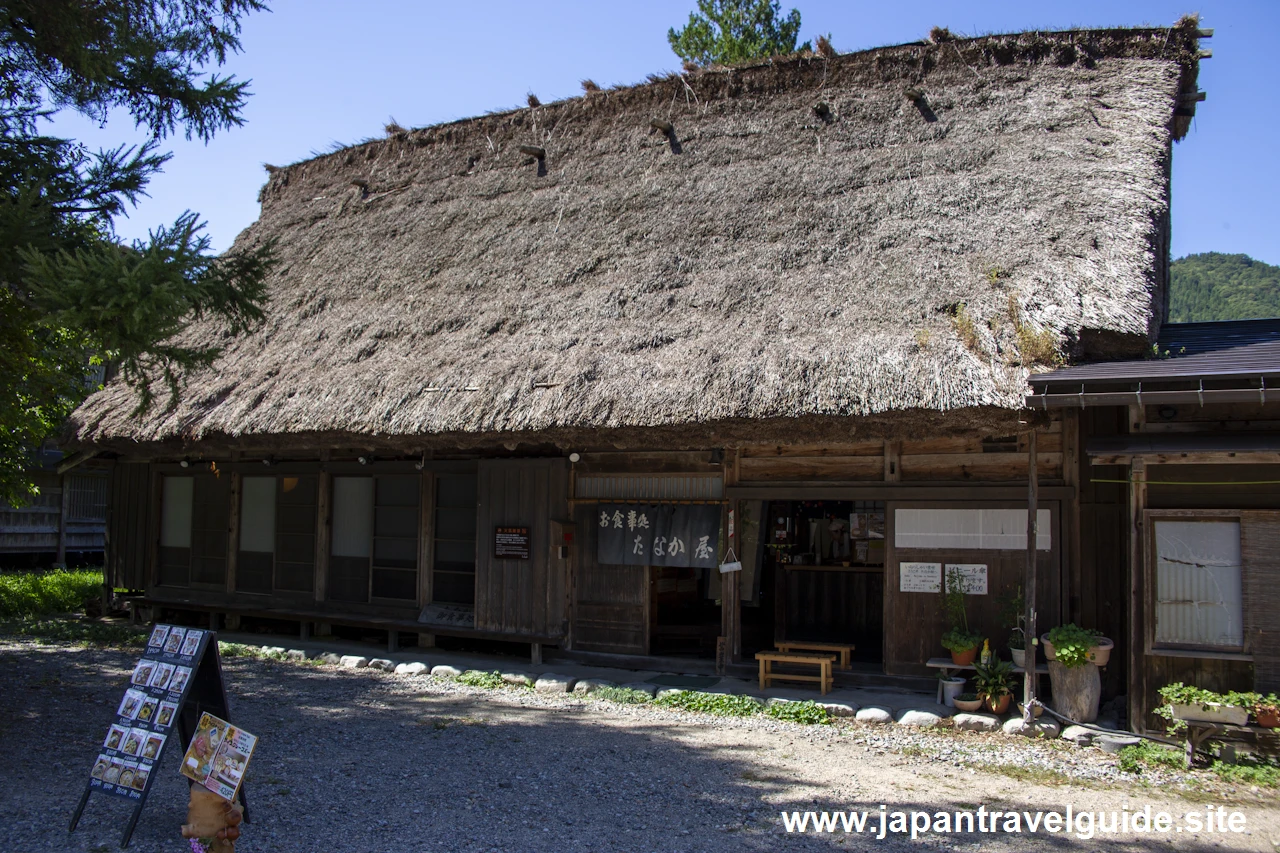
(43, 593)
(720, 704)
(808, 713)
(994, 680)
(1185, 694)
(723, 32)
(478, 678)
(622, 695)
(74, 297)
(1217, 286)
(1133, 759)
(960, 640)
(77, 631)
(968, 697)
(1071, 644)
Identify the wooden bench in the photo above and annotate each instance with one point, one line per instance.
(822, 662)
(845, 652)
(1199, 733)
(948, 667)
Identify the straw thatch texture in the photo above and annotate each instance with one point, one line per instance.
(761, 260)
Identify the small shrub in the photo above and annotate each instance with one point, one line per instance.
(478, 678)
(84, 633)
(808, 712)
(1249, 772)
(622, 695)
(722, 705)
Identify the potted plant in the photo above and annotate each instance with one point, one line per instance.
(968, 702)
(1266, 709)
(1074, 646)
(995, 683)
(960, 640)
(1015, 616)
(1191, 704)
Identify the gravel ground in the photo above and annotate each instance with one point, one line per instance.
(357, 761)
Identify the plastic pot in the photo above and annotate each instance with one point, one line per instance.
(951, 688)
(1215, 713)
(1019, 657)
(1101, 653)
(1049, 653)
(968, 705)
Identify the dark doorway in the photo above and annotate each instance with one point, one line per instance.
(822, 577)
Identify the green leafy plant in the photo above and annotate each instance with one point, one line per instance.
(994, 680)
(720, 704)
(1249, 771)
(1133, 759)
(960, 640)
(809, 713)
(622, 695)
(1185, 694)
(479, 678)
(968, 697)
(1071, 644)
(1014, 616)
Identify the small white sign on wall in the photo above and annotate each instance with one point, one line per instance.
(919, 577)
(973, 576)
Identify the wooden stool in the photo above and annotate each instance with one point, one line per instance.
(845, 652)
(822, 662)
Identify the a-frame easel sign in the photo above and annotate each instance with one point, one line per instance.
(178, 678)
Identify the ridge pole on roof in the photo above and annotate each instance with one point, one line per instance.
(1029, 582)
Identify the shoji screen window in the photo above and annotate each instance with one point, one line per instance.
(194, 517)
(277, 534)
(375, 539)
(453, 578)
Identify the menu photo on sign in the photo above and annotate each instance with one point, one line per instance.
(218, 756)
(920, 577)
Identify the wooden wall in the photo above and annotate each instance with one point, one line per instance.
(610, 603)
(521, 596)
(915, 620)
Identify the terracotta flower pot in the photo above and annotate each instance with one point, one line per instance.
(999, 706)
(1266, 719)
(964, 658)
(1101, 653)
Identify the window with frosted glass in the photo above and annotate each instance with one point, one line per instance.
(375, 539)
(277, 534)
(1199, 598)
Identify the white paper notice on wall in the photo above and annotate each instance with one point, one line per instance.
(972, 576)
(919, 577)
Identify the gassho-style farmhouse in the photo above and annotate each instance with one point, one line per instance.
(532, 377)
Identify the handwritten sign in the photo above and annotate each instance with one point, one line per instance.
(919, 577)
(511, 543)
(973, 577)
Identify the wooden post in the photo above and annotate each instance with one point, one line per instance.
(323, 539)
(61, 561)
(233, 532)
(1033, 505)
(1137, 687)
(535, 654)
(892, 461)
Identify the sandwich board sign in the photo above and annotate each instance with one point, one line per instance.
(175, 682)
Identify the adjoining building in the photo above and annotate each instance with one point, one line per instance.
(789, 308)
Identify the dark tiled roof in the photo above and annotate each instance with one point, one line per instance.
(1221, 350)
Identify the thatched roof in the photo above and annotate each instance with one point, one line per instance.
(889, 235)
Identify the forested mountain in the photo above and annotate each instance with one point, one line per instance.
(1214, 286)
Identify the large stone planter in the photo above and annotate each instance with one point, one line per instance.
(1076, 691)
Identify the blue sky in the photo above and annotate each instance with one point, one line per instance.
(325, 71)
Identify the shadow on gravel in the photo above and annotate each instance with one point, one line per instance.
(354, 762)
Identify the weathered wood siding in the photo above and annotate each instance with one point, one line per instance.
(915, 620)
(521, 596)
(610, 603)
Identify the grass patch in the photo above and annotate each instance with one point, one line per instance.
(1249, 771)
(44, 593)
(966, 328)
(478, 678)
(720, 704)
(621, 695)
(1134, 758)
(1031, 773)
(77, 631)
(808, 712)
